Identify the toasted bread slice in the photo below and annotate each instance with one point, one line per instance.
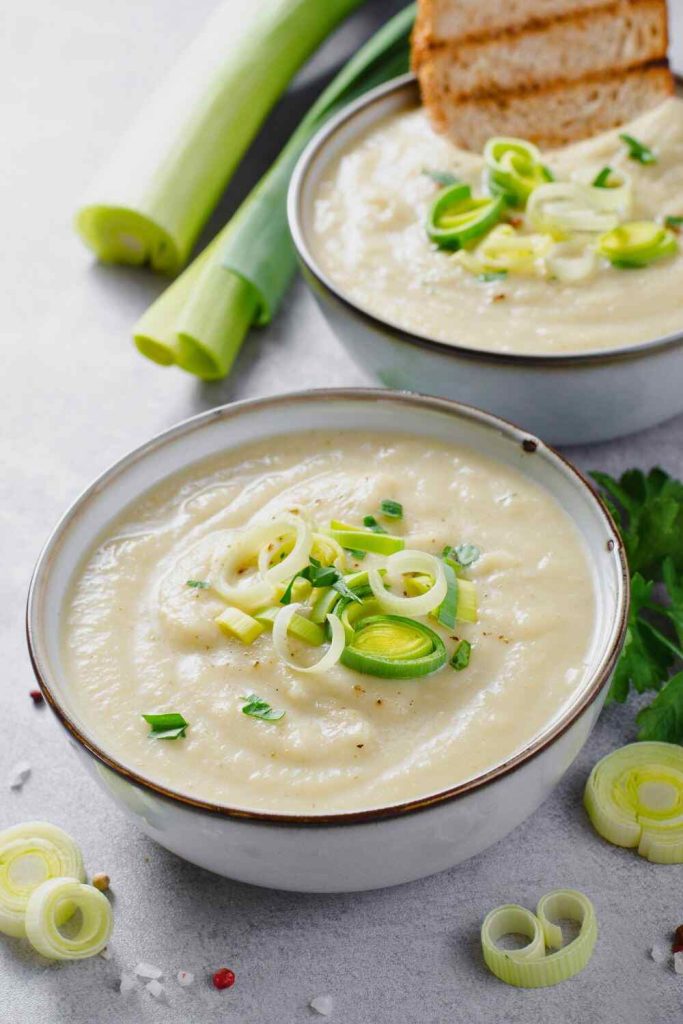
(628, 33)
(443, 21)
(553, 115)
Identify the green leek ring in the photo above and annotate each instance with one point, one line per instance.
(420, 650)
(457, 217)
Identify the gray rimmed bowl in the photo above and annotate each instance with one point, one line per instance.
(567, 399)
(332, 852)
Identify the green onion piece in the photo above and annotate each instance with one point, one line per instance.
(530, 966)
(358, 555)
(601, 179)
(172, 167)
(461, 655)
(45, 912)
(304, 629)
(638, 150)
(446, 612)
(442, 178)
(514, 169)
(324, 605)
(30, 853)
(378, 543)
(394, 647)
(256, 707)
(236, 623)
(391, 509)
(201, 321)
(371, 523)
(457, 217)
(636, 244)
(468, 610)
(198, 584)
(674, 222)
(169, 725)
(492, 275)
(634, 798)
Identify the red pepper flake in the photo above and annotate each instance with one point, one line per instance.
(36, 696)
(223, 978)
(677, 945)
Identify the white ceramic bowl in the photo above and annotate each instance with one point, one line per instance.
(375, 847)
(567, 399)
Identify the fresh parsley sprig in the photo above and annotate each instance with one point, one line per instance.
(320, 576)
(257, 707)
(648, 510)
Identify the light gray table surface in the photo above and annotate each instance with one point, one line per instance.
(76, 396)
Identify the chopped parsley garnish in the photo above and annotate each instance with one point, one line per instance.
(391, 509)
(463, 554)
(320, 576)
(256, 707)
(443, 178)
(492, 275)
(601, 179)
(638, 150)
(649, 513)
(358, 555)
(168, 726)
(371, 523)
(673, 222)
(461, 656)
(197, 584)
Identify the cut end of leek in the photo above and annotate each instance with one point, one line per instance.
(634, 798)
(236, 623)
(119, 235)
(530, 966)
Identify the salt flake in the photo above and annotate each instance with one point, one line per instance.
(185, 978)
(678, 962)
(127, 983)
(155, 988)
(19, 774)
(322, 1005)
(105, 953)
(145, 970)
(660, 954)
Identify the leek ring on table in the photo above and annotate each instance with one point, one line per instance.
(30, 854)
(45, 913)
(457, 217)
(637, 244)
(514, 169)
(562, 208)
(530, 967)
(634, 798)
(394, 647)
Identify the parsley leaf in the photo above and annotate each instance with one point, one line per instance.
(320, 576)
(257, 707)
(371, 523)
(198, 584)
(492, 275)
(391, 509)
(645, 661)
(663, 718)
(649, 513)
(673, 221)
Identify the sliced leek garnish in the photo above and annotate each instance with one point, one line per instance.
(331, 655)
(405, 562)
(530, 966)
(634, 798)
(394, 647)
(457, 217)
(637, 243)
(571, 261)
(31, 854)
(308, 630)
(562, 208)
(237, 623)
(514, 168)
(46, 910)
(505, 249)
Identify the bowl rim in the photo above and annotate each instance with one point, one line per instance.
(598, 679)
(297, 201)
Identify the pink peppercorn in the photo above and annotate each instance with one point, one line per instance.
(36, 696)
(223, 978)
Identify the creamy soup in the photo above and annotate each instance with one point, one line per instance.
(138, 639)
(368, 236)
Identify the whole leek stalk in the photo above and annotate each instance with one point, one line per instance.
(156, 194)
(201, 320)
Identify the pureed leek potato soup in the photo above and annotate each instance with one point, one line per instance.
(328, 623)
(513, 250)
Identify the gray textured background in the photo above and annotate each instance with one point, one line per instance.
(75, 397)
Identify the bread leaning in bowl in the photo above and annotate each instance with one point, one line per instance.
(552, 82)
